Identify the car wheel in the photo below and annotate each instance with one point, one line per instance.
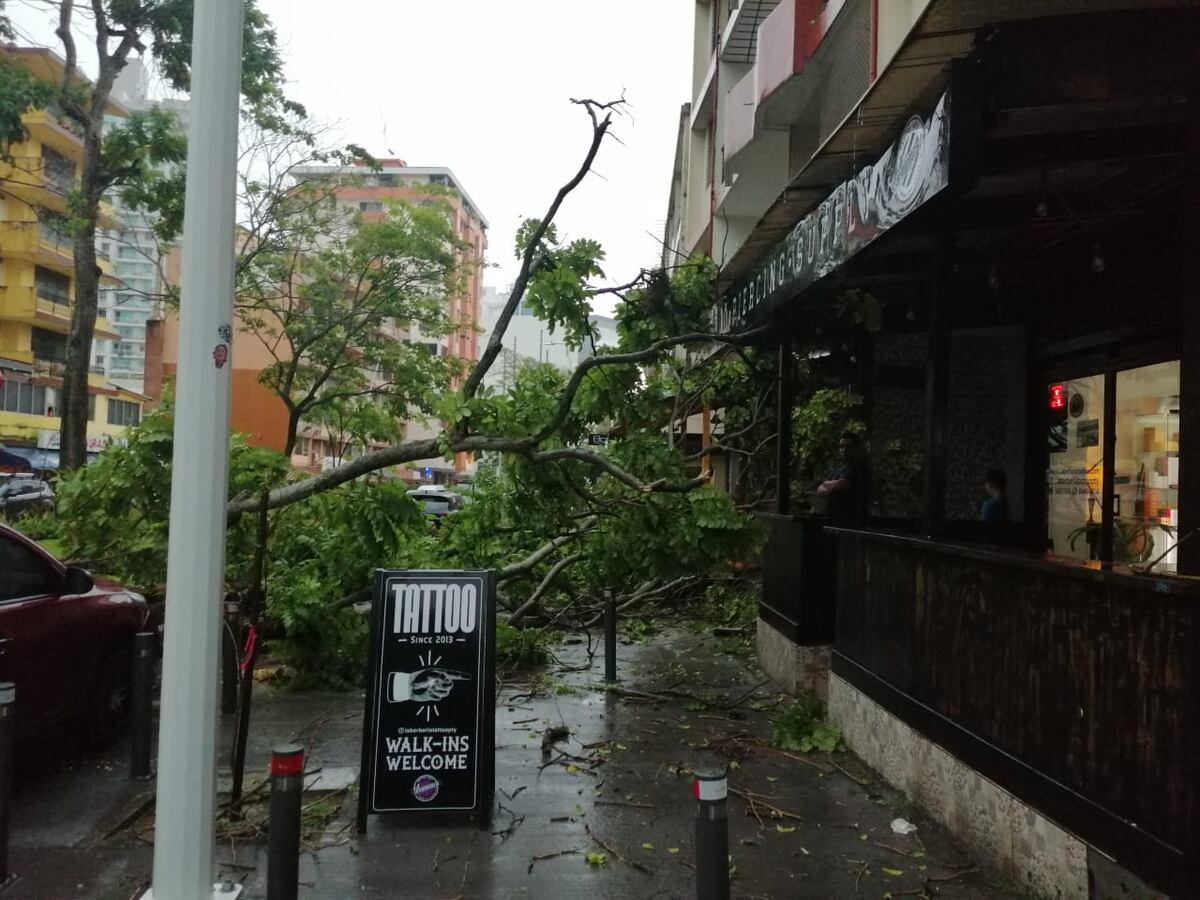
(107, 714)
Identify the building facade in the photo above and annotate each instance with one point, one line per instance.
(529, 340)
(981, 220)
(132, 299)
(37, 275)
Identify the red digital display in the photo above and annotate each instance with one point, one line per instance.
(1058, 396)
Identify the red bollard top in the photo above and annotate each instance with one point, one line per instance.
(287, 761)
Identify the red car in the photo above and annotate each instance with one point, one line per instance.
(66, 641)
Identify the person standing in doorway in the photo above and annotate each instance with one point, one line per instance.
(995, 508)
(847, 491)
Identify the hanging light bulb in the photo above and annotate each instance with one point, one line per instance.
(1099, 263)
(1042, 209)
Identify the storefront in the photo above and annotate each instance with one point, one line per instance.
(1035, 312)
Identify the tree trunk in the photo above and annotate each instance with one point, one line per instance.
(73, 405)
(293, 429)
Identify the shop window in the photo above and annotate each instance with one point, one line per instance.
(1137, 522)
(1146, 470)
(1075, 477)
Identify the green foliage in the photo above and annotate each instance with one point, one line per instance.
(142, 158)
(802, 728)
(323, 290)
(20, 92)
(729, 606)
(521, 648)
(668, 305)
(112, 515)
(639, 629)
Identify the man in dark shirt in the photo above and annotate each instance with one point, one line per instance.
(995, 507)
(847, 491)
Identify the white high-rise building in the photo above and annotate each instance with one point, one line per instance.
(131, 301)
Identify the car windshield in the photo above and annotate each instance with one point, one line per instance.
(436, 507)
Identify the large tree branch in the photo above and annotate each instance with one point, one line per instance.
(521, 611)
(496, 341)
(606, 465)
(534, 559)
(633, 358)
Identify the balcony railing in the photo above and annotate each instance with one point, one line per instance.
(52, 368)
(51, 295)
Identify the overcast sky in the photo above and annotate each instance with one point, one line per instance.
(483, 87)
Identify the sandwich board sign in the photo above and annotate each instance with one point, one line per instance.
(429, 724)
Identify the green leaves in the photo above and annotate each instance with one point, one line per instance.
(20, 92)
(801, 728)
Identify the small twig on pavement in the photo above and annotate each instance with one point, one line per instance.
(861, 873)
(909, 854)
(542, 856)
(961, 873)
(624, 803)
(742, 696)
(631, 863)
(758, 798)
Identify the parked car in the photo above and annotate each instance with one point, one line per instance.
(21, 494)
(435, 501)
(66, 641)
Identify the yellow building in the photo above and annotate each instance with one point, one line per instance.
(37, 281)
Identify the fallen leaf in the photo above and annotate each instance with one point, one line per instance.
(672, 849)
(647, 846)
(772, 778)
(595, 859)
(785, 829)
(734, 764)
(862, 837)
(805, 852)
(573, 769)
(622, 747)
(895, 873)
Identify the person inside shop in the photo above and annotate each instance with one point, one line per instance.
(995, 508)
(847, 491)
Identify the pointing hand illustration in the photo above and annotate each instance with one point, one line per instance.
(423, 686)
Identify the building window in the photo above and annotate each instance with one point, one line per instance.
(23, 397)
(370, 206)
(47, 345)
(52, 286)
(1141, 517)
(122, 412)
(91, 407)
(58, 171)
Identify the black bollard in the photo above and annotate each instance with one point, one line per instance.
(712, 833)
(145, 647)
(8, 721)
(283, 826)
(610, 638)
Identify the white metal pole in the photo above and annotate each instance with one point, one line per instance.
(187, 759)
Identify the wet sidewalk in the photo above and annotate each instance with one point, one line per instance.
(618, 787)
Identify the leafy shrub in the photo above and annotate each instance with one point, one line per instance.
(730, 606)
(521, 647)
(803, 728)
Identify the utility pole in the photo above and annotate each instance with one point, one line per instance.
(187, 759)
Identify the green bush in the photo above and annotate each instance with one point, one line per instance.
(521, 647)
(803, 728)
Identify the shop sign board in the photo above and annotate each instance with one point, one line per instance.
(429, 721)
(911, 171)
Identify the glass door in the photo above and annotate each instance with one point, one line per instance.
(1075, 474)
(1146, 482)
